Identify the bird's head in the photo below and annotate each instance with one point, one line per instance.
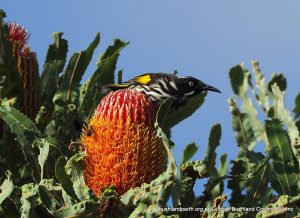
(191, 86)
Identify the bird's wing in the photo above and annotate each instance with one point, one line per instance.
(145, 79)
(149, 78)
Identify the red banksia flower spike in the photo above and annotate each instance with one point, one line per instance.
(18, 35)
(121, 145)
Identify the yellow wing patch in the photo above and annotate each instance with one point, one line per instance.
(144, 79)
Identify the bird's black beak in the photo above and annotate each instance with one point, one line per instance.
(211, 88)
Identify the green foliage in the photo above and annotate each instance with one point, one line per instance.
(283, 162)
(189, 152)
(9, 82)
(279, 133)
(43, 177)
(6, 188)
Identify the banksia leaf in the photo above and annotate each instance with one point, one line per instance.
(54, 64)
(283, 162)
(44, 148)
(221, 173)
(236, 75)
(284, 115)
(26, 132)
(260, 170)
(189, 152)
(87, 209)
(262, 97)
(122, 148)
(29, 199)
(280, 80)
(47, 199)
(75, 170)
(213, 142)
(64, 178)
(76, 68)
(104, 74)
(6, 188)
(241, 124)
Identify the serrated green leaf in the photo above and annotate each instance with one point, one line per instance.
(29, 199)
(47, 199)
(257, 126)
(213, 142)
(53, 66)
(237, 197)
(27, 133)
(196, 170)
(236, 75)
(284, 115)
(220, 173)
(87, 209)
(9, 76)
(189, 151)
(255, 129)
(223, 165)
(74, 169)
(6, 188)
(104, 74)
(283, 163)
(76, 68)
(64, 178)
(67, 199)
(257, 188)
(251, 174)
(44, 148)
(262, 97)
(280, 80)
(241, 124)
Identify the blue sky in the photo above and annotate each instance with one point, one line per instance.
(198, 38)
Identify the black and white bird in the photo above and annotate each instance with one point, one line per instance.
(161, 86)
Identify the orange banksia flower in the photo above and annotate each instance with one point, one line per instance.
(121, 145)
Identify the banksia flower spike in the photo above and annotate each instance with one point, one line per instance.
(29, 76)
(19, 36)
(28, 69)
(121, 145)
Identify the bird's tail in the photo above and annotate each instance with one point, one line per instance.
(105, 89)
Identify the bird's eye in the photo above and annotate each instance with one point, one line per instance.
(191, 83)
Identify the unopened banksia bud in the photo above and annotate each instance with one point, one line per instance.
(121, 145)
